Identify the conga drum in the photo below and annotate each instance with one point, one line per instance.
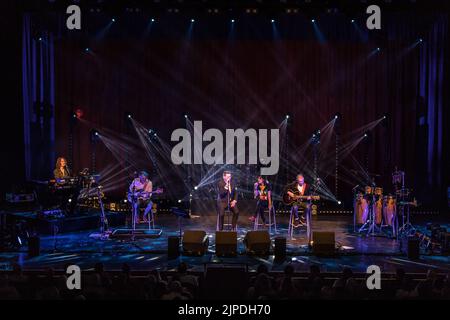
(378, 191)
(389, 210)
(361, 209)
(378, 210)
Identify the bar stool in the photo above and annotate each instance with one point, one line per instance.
(228, 217)
(291, 225)
(271, 213)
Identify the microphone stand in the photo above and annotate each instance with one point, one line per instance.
(228, 203)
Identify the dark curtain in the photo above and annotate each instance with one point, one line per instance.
(38, 101)
(255, 83)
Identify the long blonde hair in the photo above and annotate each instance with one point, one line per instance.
(58, 162)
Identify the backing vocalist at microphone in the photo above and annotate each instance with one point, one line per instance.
(227, 198)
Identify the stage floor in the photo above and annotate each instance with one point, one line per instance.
(354, 250)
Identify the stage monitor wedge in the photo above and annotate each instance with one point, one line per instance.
(173, 247)
(257, 242)
(195, 242)
(226, 243)
(323, 243)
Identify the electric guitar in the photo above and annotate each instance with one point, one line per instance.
(142, 195)
(288, 200)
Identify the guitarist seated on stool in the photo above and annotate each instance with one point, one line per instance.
(299, 187)
(141, 188)
(227, 198)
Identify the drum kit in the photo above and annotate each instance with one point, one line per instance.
(375, 211)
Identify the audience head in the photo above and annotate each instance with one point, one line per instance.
(262, 268)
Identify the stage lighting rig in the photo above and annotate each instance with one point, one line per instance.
(94, 135)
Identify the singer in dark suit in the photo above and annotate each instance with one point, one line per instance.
(61, 169)
(227, 197)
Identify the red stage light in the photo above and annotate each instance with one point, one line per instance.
(79, 113)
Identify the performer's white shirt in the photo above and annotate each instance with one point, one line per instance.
(137, 185)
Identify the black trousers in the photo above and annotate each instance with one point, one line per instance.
(221, 207)
(261, 206)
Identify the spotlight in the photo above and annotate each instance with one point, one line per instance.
(318, 131)
(192, 20)
(273, 21)
(353, 20)
(339, 202)
(336, 117)
(365, 135)
(96, 133)
(86, 49)
(179, 201)
(287, 116)
(129, 116)
(232, 20)
(420, 40)
(113, 20)
(40, 39)
(185, 116)
(196, 187)
(378, 49)
(74, 115)
(313, 20)
(155, 135)
(70, 200)
(153, 20)
(125, 200)
(384, 117)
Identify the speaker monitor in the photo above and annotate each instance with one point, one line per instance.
(257, 242)
(195, 242)
(413, 248)
(173, 246)
(445, 242)
(226, 243)
(323, 243)
(280, 247)
(34, 246)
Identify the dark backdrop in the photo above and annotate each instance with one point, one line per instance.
(254, 79)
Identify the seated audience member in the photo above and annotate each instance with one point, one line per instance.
(184, 277)
(262, 288)
(7, 292)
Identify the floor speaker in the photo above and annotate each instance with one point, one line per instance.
(34, 246)
(280, 248)
(173, 250)
(413, 248)
(226, 243)
(323, 243)
(195, 242)
(257, 242)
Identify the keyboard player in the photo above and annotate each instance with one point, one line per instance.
(61, 170)
(67, 192)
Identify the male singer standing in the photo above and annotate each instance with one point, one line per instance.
(227, 198)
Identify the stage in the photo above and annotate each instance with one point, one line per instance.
(353, 250)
